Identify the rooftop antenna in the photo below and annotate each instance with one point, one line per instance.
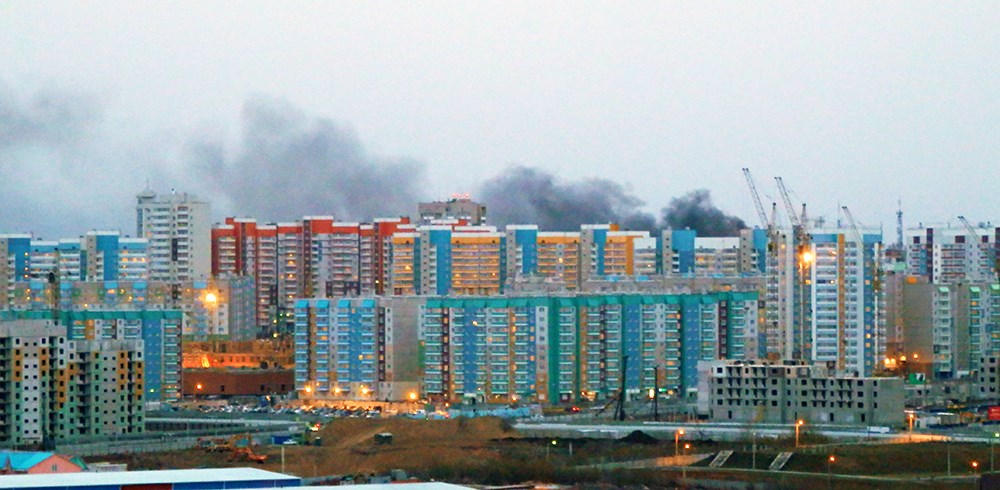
(899, 223)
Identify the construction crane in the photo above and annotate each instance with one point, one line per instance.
(804, 258)
(756, 199)
(793, 218)
(984, 249)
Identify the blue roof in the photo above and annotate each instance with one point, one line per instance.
(22, 460)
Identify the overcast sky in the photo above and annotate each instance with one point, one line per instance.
(857, 103)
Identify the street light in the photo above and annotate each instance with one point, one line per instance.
(677, 440)
(798, 425)
(829, 470)
(993, 443)
(684, 468)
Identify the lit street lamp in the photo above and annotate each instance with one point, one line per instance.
(798, 425)
(829, 470)
(677, 440)
(684, 468)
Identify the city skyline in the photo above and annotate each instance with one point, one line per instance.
(856, 109)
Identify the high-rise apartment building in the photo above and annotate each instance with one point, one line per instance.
(97, 256)
(157, 331)
(541, 348)
(684, 253)
(460, 208)
(950, 327)
(56, 389)
(315, 257)
(553, 257)
(178, 229)
(947, 255)
(356, 348)
(823, 299)
(448, 259)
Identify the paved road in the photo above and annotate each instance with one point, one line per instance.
(730, 432)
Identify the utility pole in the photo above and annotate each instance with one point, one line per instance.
(656, 393)
(620, 410)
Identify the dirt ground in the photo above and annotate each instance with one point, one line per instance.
(348, 447)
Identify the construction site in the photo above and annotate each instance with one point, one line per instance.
(491, 451)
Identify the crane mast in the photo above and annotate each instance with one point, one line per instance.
(756, 199)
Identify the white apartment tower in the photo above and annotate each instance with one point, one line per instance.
(178, 228)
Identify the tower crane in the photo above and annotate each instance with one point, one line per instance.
(756, 199)
(805, 258)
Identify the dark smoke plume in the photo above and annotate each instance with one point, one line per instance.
(695, 210)
(50, 144)
(57, 154)
(526, 195)
(289, 165)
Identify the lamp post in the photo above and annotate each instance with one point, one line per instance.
(754, 451)
(910, 418)
(798, 425)
(947, 443)
(684, 468)
(829, 470)
(677, 440)
(993, 443)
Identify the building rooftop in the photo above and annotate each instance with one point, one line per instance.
(22, 460)
(232, 477)
(397, 486)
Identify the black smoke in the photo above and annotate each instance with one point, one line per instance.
(695, 210)
(56, 175)
(288, 165)
(64, 170)
(527, 195)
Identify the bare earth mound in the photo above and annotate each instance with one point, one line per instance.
(348, 447)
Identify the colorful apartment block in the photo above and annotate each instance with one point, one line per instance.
(947, 255)
(552, 257)
(554, 349)
(356, 348)
(683, 252)
(314, 257)
(58, 389)
(159, 331)
(97, 256)
(546, 349)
